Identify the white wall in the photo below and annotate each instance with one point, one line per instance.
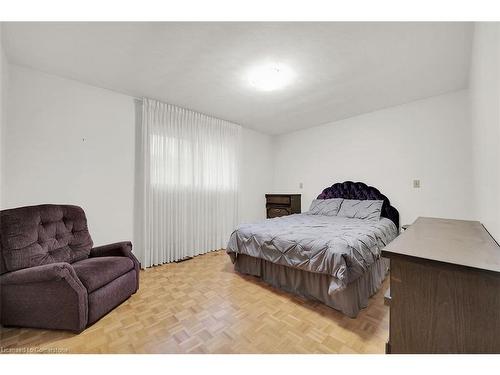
(46, 160)
(427, 139)
(69, 142)
(3, 107)
(256, 175)
(485, 116)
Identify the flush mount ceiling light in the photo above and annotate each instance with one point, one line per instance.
(270, 76)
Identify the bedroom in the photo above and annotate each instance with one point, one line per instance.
(249, 187)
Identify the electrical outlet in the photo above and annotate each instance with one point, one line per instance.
(416, 184)
(301, 185)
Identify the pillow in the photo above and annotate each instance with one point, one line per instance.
(361, 209)
(327, 207)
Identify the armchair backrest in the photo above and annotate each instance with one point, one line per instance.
(35, 235)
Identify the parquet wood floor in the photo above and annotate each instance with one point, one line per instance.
(203, 306)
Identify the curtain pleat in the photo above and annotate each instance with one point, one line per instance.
(190, 182)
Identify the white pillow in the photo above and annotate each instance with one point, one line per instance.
(361, 209)
(327, 207)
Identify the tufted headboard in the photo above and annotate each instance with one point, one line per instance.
(361, 191)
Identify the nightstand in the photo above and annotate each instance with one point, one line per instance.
(282, 204)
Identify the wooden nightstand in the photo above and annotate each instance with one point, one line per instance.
(282, 204)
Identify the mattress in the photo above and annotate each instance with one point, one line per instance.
(341, 248)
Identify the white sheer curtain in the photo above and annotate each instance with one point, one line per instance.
(190, 177)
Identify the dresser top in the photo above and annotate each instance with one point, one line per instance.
(459, 242)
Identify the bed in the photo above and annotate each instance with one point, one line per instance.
(333, 259)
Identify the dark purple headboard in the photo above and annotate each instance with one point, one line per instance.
(361, 191)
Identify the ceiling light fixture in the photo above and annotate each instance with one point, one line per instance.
(270, 77)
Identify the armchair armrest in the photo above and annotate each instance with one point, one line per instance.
(123, 249)
(120, 249)
(48, 296)
(46, 272)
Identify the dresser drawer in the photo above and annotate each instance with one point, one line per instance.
(278, 199)
(277, 212)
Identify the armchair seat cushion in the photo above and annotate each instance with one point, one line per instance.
(94, 273)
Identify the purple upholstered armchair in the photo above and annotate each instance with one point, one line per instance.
(51, 276)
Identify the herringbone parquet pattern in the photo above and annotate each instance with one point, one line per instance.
(203, 306)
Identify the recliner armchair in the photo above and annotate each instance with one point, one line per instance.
(52, 277)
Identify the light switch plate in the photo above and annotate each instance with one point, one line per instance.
(301, 185)
(416, 184)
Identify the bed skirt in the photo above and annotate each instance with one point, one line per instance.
(314, 285)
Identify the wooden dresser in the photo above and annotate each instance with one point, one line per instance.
(282, 204)
(445, 288)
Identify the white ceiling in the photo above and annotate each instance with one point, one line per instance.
(342, 69)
